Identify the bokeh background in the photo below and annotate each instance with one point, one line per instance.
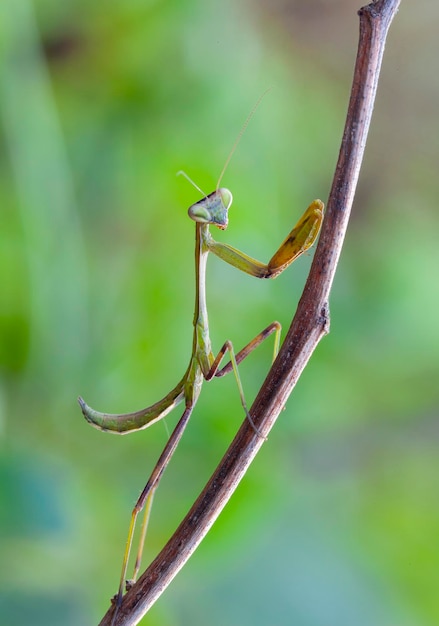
(337, 521)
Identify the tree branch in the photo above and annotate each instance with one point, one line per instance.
(309, 325)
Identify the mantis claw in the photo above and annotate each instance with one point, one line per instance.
(255, 428)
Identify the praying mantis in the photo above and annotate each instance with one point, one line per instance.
(212, 209)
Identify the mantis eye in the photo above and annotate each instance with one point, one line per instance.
(226, 197)
(213, 208)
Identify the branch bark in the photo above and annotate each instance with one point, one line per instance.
(309, 325)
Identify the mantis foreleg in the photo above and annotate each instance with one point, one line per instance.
(298, 241)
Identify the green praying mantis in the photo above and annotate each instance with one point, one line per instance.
(212, 209)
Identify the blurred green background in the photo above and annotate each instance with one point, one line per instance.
(337, 521)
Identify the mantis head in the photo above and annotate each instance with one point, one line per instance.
(213, 209)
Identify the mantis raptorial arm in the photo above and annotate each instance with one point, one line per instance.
(298, 241)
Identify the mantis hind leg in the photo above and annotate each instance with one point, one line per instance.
(235, 359)
(145, 501)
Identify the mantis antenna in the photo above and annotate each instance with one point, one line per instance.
(235, 145)
(182, 173)
(240, 134)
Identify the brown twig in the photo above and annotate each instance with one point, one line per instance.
(309, 325)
